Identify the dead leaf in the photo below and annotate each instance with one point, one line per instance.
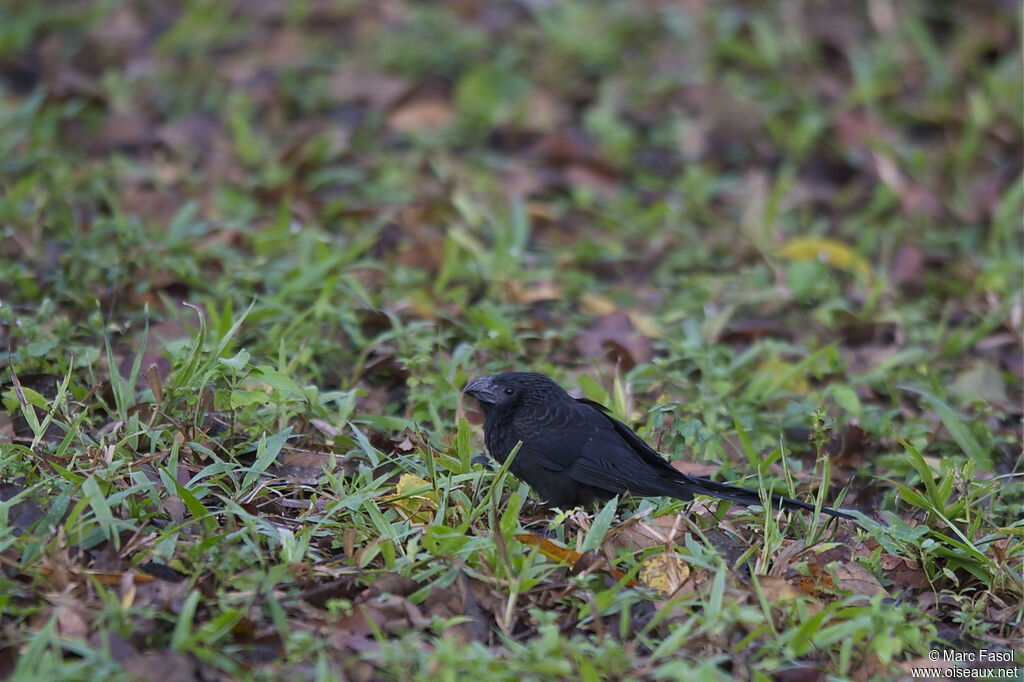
(71, 623)
(731, 547)
(747, 329)
(819, 581)
(615, 334)
(831, 252)
(903, 572)
(665, 573)
(550, 549)
(596, 305)
(360, 83)
(419, 507)
(784, 559)
(393, 583)
(161, 666)
(120, 578)
(777, 589)
(124, 131)
(306, 467)
(341, 588)
(192, 137)
(426, 115)
(563, 555)
(640, 532)
(534, 292)
(120, 649)
(545, 112)
(461, 599)
(175, 508)
(982, 381)
(856, 579)
(122, 31)
(599, 179)
(325, 428)
(907, 267)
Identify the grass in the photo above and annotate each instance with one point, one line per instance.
(249, 256)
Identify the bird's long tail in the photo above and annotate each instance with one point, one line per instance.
(702, 486)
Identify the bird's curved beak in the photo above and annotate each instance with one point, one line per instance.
(483, 389)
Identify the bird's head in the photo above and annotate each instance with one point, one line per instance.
(510, 388)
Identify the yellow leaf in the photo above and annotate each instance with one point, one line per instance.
(409, 482)
(778, 373)
(665, 573)
(831, 252)
(418, 507)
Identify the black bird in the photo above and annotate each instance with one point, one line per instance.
(574, 451)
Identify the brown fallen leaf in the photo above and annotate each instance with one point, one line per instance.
(461, 599)
(564, 555)
(121, 649)
(193, 136)
(856, 579)
(544, 290)
(784, 559)
(318, 595)
(777, 589)
(71, 623)
(393, 583)
(125, 131)
(905, 573)
(614, 333)
(641, 532)
(597, 178)
(747, 329)
(161, 666)
(598, 306)
(360, 83)
(325, 428)
(907, 267)
(103, 577)
(426, 115)
(305, 467)
(550, 549)
(818, 581)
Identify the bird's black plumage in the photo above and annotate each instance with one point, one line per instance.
(573, 451)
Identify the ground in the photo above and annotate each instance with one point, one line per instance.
(250, 253)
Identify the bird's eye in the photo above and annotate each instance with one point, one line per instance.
(509, 391)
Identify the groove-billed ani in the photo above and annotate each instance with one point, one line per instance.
(573, 451)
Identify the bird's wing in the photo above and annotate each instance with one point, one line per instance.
(558, 431)
(592, 448)
(635, 442)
